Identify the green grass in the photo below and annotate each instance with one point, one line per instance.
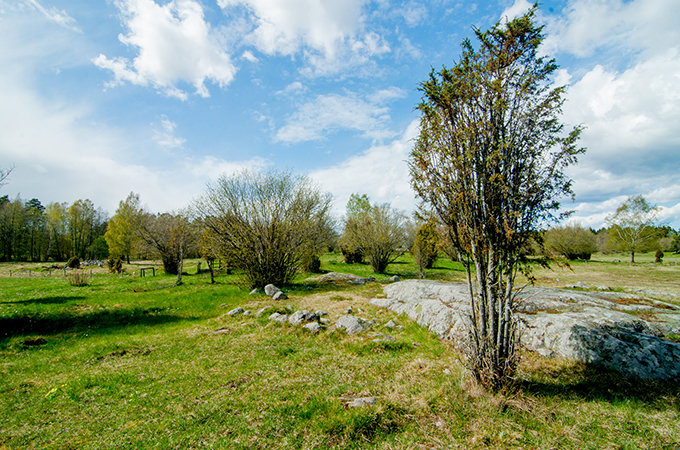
(130, 362)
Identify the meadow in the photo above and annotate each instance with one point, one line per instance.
(137, 362)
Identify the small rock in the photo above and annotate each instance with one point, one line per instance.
(395, 278)
(223, 305)
(289, 308)
(390, 324)
(579, 285)
(314, 327)
(351, 324)
(247, 313)
(254, 292)
(325, 321)
(281, 318)
(270, 290)
(302, 316)
(321, 313)
(359, 402)
(349, 310)
(603, 288)
(236, 311)
(447, 372)
(381, 338)
(369, 279)
(262, 311)
(280, 296)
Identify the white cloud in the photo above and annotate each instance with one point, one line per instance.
(174, 44)
(414, 13)
(329, 34)
(517, 9)
(61, 18)
(381, 172)
(166, 137)
(385, 95)
(329, 113)
(248, 55)
(624, 26)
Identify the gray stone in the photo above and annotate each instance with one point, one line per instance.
(321, 313)
(602, 328)
(379, 337)
(279, 296)
(349, 310)
(270, 290)
(395, 278)
(390, 324)
(247, 313)
(236, 311)
(254, 292)
(302, 316)
(351, 324)
(325, 321)
(314, 327)
(358, 402)
(281, 318)
(579, 285)
(263, 310)
(340, 278)
(603, 288)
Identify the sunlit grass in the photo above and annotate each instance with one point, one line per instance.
(140, 363)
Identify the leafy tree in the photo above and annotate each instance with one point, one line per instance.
(572, 241)
(170, 236)
(357, 207)
(58, 244)
(633, 224)
(12, 219)
(376, 232)
(490, 161)
(263, 222)
(35, 228)
(121, 236)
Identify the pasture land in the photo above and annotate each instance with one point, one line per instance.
(132, 362)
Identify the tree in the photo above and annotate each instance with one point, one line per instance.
(376, 232)
(121, 236)
(426, 246)
(572, 241)
(263, 222)
(490, 160)
(4, 175)
(169, 235)
(633, 224)
(357, 206)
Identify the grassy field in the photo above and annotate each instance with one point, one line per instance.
(131, 362)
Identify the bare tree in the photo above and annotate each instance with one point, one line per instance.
(489, 161)
(4, 175)
(633, 224)
(263, 222)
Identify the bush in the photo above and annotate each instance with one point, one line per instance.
(73, 262)
(310, 262)
(351, 255)
(426, 246)
(658, 256)
(115, 264)
(571, 241)
(263, 223)
(78, 279)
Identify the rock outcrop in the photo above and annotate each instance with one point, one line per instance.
(621, 331)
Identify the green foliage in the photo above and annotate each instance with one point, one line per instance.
(122, 235)
(490, 162)
(571, 241)
(658, 256)
(73, 262)
(632, 226)
(115, 264)
(310, 262)
(375, 232)
(263, 223)
(426, 246)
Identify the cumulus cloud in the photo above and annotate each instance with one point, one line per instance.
(174, 44)
(330, 113)
(381, 172)
(328, 33)
(517, 9)
(211, 167)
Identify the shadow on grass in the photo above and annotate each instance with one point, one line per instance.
(594, 383)
(45, 300)
(98, 322)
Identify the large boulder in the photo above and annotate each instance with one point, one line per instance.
(605, 328)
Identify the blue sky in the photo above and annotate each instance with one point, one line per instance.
(100, 98)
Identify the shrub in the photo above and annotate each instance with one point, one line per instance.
(658, 256)
(78, 278)
(351, 255)
(115, 264)
(73, 262)
(426, 246)
(571, 241)
(263, 223)
(310, 262)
